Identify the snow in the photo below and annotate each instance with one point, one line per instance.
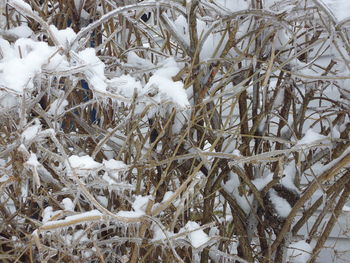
(68, 204)
(31, 132)
(289, 175)
(311, 137)
(110, 180)
(138, 62)
(21, 4)
(162, 81)
(83, 162)
(210, 43)
(64, 36)
(125, 85)
(33, 161)
(231, 187)
(167, 196)
(23, 61)
(340, 8)
(80, 235)
(139, 206)
(280, 204)
(102, 200)
(196, 235)
(18, 71)
(114, 165)
(319, 168)
(130, 214)
(346, 208)
(22, 31)
(158, 233)
(299, 252)
(233, 6)
(261, 182)
(182, 28)
(47, 214)
(57, 107)
(95, 69)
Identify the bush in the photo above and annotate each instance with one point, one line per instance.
(171, 131)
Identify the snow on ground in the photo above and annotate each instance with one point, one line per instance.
(233, 6)
(311, 137)
(299, 252)
(49, 213)
(340, 8)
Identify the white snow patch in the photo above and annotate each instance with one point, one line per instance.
(21, 4)
(167, 196)
(68, 204)
(138, 62)
(78, 4)
(112, 164)
(125, 85)
(139, 207)
(340, 8)
(47, 214)
(159, 234)
(57, 107)
(83, 162)
(24, 60)
(280, 204)
(162, 81)
(33, 160)
(289, 175)
(80, 235)
(299, 252)
(231, 187)
(95, 69)
(233, 6)
(31, 132)
(311, 137)
(197, 236)
(346, 208)
(261, 182)
(64, 36)
(22, 31)
(102, 200)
